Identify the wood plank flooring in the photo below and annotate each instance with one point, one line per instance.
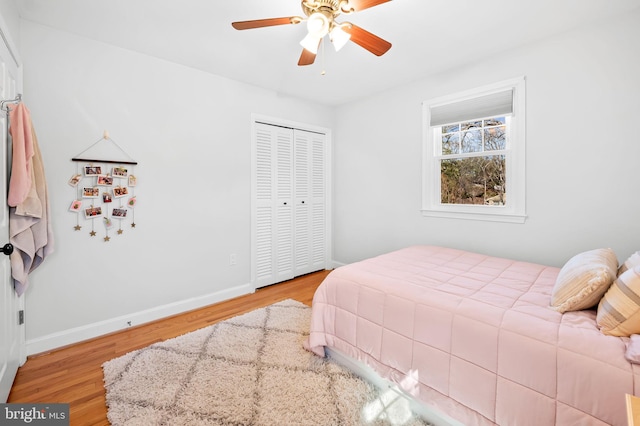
(74, 374)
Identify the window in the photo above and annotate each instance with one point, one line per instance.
(474, 154)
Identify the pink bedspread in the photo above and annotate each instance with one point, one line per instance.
(477, 333)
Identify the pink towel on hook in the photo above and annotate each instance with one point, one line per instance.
(20, 182)
(30, 229)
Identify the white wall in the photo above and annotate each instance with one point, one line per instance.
(583, 148)
(9, 14)
(190, 133)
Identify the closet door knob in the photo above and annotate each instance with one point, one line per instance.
(303, 202)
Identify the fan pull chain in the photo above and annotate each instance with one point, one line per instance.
(323, 72)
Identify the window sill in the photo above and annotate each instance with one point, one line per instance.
(491, 216)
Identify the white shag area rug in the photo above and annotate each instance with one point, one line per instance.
(247, 370)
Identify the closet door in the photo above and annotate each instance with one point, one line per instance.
(289, 230)
(309, 201)
(273, 205)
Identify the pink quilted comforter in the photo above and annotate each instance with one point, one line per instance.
(478, 335)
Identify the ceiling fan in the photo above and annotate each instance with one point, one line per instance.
(321, 20)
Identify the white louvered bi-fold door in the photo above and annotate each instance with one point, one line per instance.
(309, 201)
(289, 203)
(273, 218)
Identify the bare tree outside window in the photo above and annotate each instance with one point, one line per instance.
(472, 164)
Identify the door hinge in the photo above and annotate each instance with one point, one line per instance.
(21, 317)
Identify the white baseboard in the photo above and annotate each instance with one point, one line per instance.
(335, 264)
(89, 331)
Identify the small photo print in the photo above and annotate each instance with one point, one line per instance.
(91, 192)
(120, 191)
(133, 180)
(92, 170)
(108, 223)
(92, 212)
(106, 197)
(132, 202)
(119, 213)
(105, 180)
(74, 180)
(119, 172)
(75, 206)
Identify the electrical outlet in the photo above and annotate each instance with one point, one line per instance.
(233, 259)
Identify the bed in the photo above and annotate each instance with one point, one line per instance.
(473, 338)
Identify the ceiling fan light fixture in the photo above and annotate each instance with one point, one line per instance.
(311, 42)
(339, 37)
(318, 24)
(317, 27)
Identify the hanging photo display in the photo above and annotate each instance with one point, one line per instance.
(104, 193)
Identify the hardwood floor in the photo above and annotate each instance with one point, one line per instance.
(74, 374)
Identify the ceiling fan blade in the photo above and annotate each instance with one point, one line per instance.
(306, 58)
(369, 41)
(358, 5)
(259, 23)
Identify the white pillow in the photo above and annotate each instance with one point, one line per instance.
(584, 279)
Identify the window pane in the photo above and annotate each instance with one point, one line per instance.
(495, 121)
(470, 124)
(451, 143)
(494, 138)
(472, 141)
(450, 128)
(477, 180)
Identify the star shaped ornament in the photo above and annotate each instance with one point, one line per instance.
(92, 233)
(77, 227)
(107, 238)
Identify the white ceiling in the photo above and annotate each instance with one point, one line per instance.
(428, 36)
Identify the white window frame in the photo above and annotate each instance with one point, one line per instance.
(514, 209)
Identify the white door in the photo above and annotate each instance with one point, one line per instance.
(11, 332)
(272, 179)
(309, 217)
(302, 202)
